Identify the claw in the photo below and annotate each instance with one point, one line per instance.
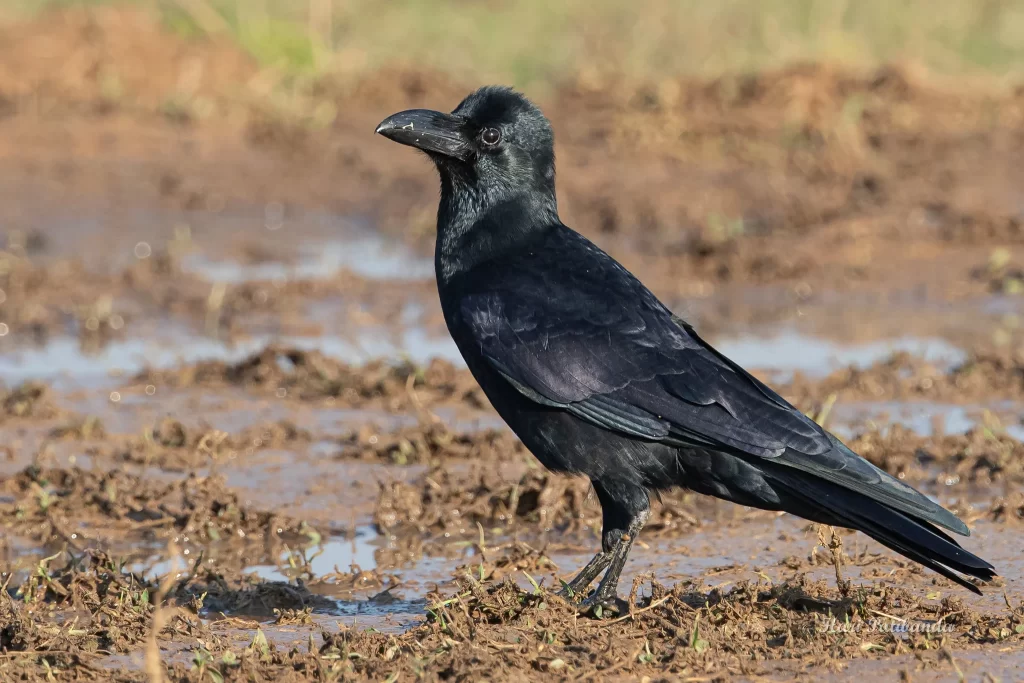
(602, 607)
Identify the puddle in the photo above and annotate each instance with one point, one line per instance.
(413, 343)
(789, 351)
(274, 242)
(351, 247)
(335, 554)
(922, 417)
(369, 257)
(62, 358)
(367, 551)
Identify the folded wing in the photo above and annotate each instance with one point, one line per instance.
(606, 350)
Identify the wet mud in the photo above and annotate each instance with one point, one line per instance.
(236, 442)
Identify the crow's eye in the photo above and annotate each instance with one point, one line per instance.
(490, 136)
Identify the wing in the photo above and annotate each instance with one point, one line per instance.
(587, 337)
(630, 366)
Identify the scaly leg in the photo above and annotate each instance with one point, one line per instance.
(625, 509)
(607, 595)
(586, 575)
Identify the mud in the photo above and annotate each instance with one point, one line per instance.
(981, 456)
(680, 631)
(31, 399)
(83, 508)
(283, 372)
(171, 446)
(982, 376)
(236, 442)
(429, 444)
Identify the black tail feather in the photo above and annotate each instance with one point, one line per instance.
(915, 539)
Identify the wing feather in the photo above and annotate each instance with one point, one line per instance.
(587, 337)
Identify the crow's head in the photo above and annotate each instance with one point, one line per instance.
(495, 139)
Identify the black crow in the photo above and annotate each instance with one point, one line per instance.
(597, 377)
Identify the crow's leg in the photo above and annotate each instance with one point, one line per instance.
(606, 594)
(587, 575)
(625, 508)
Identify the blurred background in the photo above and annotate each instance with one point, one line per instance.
(211, 270)
(721, 145)
(537, 44)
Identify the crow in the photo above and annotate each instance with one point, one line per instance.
(597, 377)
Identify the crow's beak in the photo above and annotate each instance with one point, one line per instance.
(431, 131)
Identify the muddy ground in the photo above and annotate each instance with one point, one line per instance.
(236, 443)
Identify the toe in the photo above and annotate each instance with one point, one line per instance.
(602, 607)
(571, 592)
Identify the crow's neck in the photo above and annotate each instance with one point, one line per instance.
(475, 224)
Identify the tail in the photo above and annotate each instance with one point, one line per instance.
(914, 538)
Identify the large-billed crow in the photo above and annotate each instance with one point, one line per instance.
(598, 377)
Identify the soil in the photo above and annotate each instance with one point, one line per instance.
(237, 444)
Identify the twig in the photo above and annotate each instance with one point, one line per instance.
(423, 414)
(649, 607)
(154, 668)
(833, 542)
(826, 409)
(888, 616)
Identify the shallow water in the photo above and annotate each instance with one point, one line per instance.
(788, 351)
(923, 417)
(275, 241)
(64, 361)
(366, 254)
(330, 244)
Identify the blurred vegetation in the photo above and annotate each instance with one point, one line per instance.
(532, 42)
